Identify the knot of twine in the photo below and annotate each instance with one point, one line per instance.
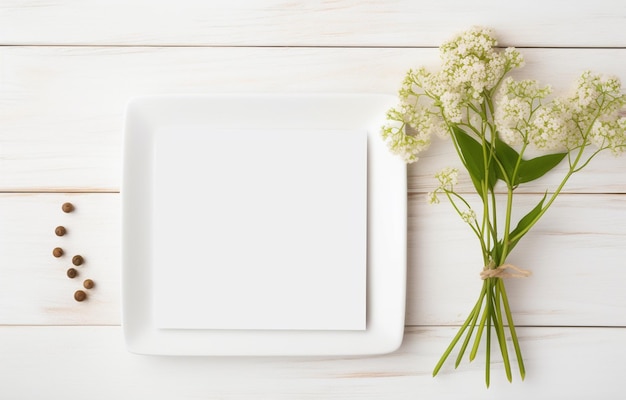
(504, 271)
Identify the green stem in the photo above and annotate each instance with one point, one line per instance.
(550, 201)
(479, 333)
(509, 319)
(489, 313)
(507, 225)
(475, 229)
(573, 168)
(498, 323)
(454, 341)
(494, 223)
(487, 226)
(475, 312)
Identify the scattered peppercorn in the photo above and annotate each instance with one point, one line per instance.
(60, 230)
(57, 252)
(88, 284)
(79, 295)
(72, 273)
(77, 260)
(67, 207)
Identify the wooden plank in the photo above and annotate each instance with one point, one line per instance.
(62, 108)
(603, 174)
(78, 362)
(34, 288)
(575, 254)
(302, 23)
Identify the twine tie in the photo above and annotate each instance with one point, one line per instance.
(504, 271)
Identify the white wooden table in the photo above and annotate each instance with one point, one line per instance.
(67, 69)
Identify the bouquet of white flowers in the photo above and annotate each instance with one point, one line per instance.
(492, 121)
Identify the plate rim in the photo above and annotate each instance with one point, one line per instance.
(385, 307)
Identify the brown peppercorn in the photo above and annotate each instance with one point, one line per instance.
(67, 207)
(80, 295)
(57, 252)
(77, 260)
(72, 273)
(88, 284)
(60, 230)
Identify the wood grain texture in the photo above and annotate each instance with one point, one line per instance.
(308, 23)
(575, 254)
(79, 362)
(62, 108)
(67, 69)
(34, 287)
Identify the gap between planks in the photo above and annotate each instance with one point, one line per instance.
(295, 46)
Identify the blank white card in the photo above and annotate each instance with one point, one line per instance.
(260, 229)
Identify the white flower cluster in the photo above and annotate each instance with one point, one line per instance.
(600, 107)
(429, 101)
(471, 63)
(610, 134)
(468, 216)
(517, 102)
(405, 144)
(553, 127)
(448, 178)
(592, 114)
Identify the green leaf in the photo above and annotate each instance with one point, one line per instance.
(496, 250)
(472, 154)
(508, 159)
(529, 170)
(525, 222)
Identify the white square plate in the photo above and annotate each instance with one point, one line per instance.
(161, 130)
